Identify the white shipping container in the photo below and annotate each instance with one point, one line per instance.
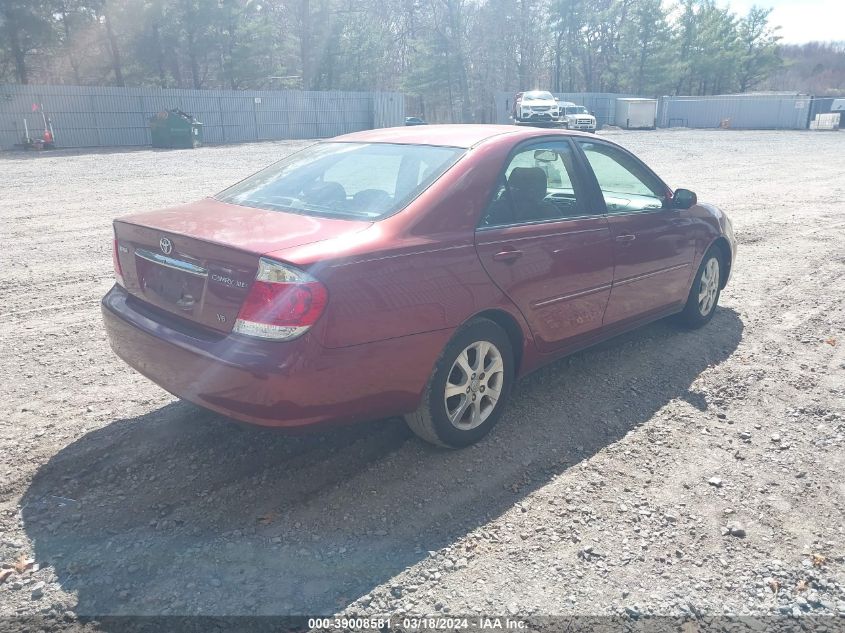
(636, 114)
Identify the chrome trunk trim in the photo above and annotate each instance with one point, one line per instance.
(170, 262)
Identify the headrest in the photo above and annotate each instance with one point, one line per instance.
(326, 193)
(529, 181)
(371, 200)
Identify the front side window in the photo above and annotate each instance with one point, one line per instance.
(539, 183)
(366, 181)
(624, 182)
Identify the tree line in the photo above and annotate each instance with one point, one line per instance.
(815, 68)
(449, 56)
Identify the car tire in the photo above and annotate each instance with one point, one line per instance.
(468, 414)
(705, 291)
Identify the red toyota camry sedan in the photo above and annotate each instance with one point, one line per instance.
(414, 271)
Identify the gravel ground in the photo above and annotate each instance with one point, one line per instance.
(664, 472)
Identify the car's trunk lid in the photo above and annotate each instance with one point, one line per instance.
(198, 261)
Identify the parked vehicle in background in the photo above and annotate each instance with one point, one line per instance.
(577, 117)
(535, 105)
(414, 120)
(408, 272)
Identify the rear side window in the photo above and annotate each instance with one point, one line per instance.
(627, 186)
(366, 181)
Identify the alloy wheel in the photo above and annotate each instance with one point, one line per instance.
(708, 288)
(474, 385)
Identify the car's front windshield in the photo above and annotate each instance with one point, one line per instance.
(366, 181)
(539, 94)
(576, 110)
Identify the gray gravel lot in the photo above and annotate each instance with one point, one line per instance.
(664, 472)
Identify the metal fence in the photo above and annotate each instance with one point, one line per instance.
(91, 116)
(751, 112)
(601, 104)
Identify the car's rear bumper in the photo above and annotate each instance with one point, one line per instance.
(289, 384)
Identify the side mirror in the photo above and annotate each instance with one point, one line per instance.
(684, 199)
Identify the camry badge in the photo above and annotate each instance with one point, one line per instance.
(165, 245)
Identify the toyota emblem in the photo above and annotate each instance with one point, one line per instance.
(165, 245)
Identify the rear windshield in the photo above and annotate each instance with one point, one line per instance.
(365, 181)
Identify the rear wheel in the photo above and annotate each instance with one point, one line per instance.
(468, 389)
(704, 293)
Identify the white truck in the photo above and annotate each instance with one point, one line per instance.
(576, 117)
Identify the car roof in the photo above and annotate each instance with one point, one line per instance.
(454, 135)
(449, 135)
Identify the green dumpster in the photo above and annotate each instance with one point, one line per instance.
(175, 129)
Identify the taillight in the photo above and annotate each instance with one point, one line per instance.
(118, 271)
(282, 303)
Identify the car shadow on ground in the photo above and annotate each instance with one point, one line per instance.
(182, 512)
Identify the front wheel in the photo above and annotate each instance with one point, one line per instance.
(704, 293)
(468, 389)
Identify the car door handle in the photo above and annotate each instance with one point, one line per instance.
(507, 256)
(625, 238)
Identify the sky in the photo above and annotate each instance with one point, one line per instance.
(800, 20)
